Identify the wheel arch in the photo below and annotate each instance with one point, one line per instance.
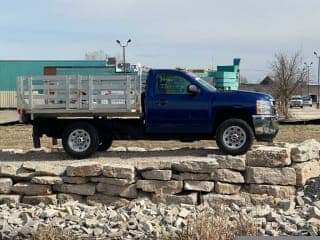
(227, 113)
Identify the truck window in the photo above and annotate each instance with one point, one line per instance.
(171, 84)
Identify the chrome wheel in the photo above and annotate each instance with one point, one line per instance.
(234, 137)
(79, 140)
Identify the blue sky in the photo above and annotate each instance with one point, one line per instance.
(164, 33)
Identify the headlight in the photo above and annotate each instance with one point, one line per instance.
(264, 107)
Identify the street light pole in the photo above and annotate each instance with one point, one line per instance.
(308, 75)
(124, 53)
(316, 54)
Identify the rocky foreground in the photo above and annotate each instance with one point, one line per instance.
(142, 219)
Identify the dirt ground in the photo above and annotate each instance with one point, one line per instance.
(20, 137)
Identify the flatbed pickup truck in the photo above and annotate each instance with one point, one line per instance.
(89, 112)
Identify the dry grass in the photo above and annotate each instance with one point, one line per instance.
(210, 225)
(20, 137)
(49, 232)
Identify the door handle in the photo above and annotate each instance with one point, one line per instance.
(161, 102)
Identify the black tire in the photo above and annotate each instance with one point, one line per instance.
(89, 139)
(228, 145)
(105, 144)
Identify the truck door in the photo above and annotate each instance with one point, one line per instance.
(173, 110)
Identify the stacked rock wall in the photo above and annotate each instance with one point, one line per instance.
(265, 174)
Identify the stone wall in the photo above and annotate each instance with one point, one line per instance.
(265, 174)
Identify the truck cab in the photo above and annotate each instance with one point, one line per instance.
(177, 102)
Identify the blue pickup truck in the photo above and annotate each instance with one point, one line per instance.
(88, 113)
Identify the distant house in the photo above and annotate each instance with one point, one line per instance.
(263, 86)
(267, 81)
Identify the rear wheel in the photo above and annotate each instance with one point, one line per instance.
(234, 136)
(80, 139)
(105, 144)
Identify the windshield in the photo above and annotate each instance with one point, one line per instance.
(202, 82)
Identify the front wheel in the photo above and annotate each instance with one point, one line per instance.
(234, 136)
(80, 139)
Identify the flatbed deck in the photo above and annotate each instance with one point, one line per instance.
(79, 96)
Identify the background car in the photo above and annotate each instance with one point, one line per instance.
(296, 101)
(307, 101)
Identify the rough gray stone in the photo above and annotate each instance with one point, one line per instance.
(231, 162)
(119, 171)
(5, 185)
(49, 180)
(287, 205)
(46, 199)
(7, 171)
(305, 151)
(262, 199)
(23, 175)
(267, 156)
(215, 200)
(273, 190)
(67, 197)
(202, 186)
(196, 166)
(9, 198)
(81, 189)
(153, 165)
(136, 149)
(191, 176)
(306, 170)
(315, 212)
(113, 181)
(75, 180)
(277, 176)
(160, 187)
(164, 175)
(49, 213)
(129, 191)
(314, 222)
(31, 189)
(49, 170)
(227, 188)
(86, 169)
(107, 200)
(191, 198)
(226, 175)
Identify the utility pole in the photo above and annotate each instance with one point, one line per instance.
(124, 53)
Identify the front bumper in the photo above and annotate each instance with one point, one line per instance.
(266, 127)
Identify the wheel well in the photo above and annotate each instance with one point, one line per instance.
(225, 114)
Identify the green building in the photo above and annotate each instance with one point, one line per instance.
(10, 69)
(225, 77)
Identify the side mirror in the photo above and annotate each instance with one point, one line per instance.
(193, 89)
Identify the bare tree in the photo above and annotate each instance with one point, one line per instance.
(95, 55)
(288, 75)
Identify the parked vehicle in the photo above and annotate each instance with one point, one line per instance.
(307, 101)
(88, 113)
(296, 101)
